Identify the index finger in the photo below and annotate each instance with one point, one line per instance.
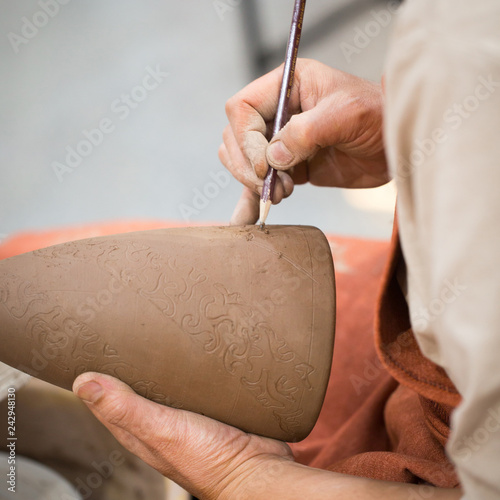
(250, 111)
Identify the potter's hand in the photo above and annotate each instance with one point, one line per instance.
(216, 461)
(334, 137)
(207, 458)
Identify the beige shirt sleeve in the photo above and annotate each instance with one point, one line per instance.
(443, 140)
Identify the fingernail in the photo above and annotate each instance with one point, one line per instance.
(89, 392)
(278, 154)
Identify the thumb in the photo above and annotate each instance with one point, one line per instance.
(130, 418)
(301, 138)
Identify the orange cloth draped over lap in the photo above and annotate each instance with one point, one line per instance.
(387, 408)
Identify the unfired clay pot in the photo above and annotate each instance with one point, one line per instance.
(231, 322)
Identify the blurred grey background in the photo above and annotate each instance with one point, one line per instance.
(155, 75)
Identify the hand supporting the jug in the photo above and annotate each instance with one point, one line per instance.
(216, 461)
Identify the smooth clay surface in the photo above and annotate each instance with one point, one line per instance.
(231, 322)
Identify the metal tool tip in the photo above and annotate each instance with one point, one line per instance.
(262, 225)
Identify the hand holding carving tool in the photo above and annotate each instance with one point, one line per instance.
(284, 98)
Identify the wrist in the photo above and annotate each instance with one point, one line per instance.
(253, 479)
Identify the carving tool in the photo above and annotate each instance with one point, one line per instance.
(284, 98)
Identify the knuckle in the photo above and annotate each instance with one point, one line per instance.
(364, 109)
(305, 139)
(116, 413)
(232, 104)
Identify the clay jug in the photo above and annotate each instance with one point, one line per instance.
(234, 323)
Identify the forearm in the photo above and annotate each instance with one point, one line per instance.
(288, 480)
